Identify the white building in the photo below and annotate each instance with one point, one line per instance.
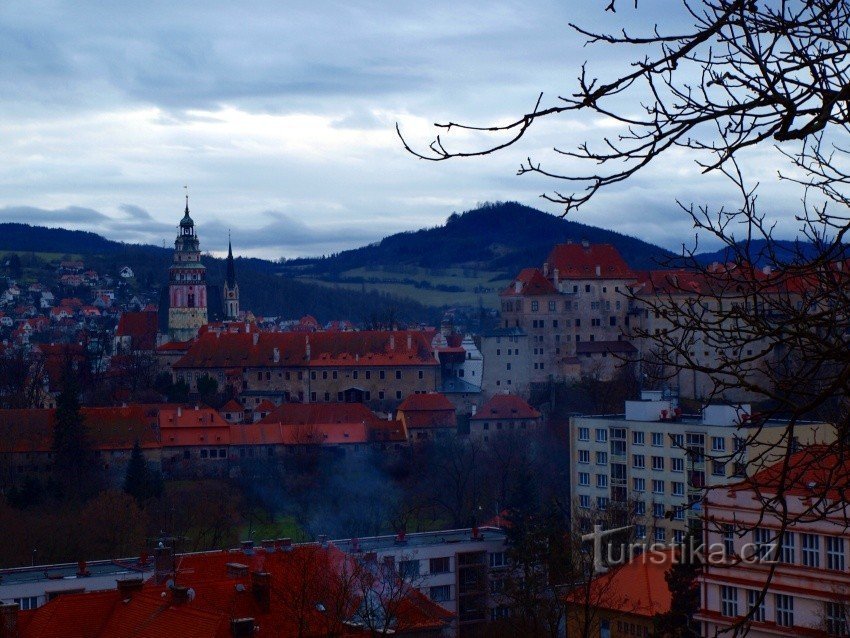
(455, 568)
(657, 462)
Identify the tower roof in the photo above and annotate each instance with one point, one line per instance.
(230, 277)
(186, 222)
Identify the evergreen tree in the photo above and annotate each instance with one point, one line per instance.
(684, 591)
(136, 480)
(71, 449)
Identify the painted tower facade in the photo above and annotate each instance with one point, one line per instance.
(187, 284)
(230, 290)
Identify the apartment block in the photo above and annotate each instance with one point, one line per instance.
(656, 462)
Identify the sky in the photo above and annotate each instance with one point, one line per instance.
(280, 117)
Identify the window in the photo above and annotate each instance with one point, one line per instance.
(718, 444)
(640, 531)
(602, 458)
(658, 463)
(638, 461)
(440, 565)
(584, 456)
(398, 375)
(421, 374)
(811, 549)
(601, 435)
(835, 553)
(441, 593)
(678, 536)
(639, 484)
(584, 501)
(658, 510)
(408, 568)
(382, 375)
(836, 619)
(602, 502)
(27, 603)
(677, 465)
(657, 439)
(764, 544)
(601, 480)
(755, 604)
(657, 486)
(677, 440)
(660, 534)
(678, 488)
(584, 478)
(718, 468)
(551, 306)
(728, 601)
(789, 549)
(784, 605)
(637, 438)
(535, 306)
(497, 559)
(584, 434)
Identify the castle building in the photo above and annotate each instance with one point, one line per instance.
(230, 291)
(187, 288)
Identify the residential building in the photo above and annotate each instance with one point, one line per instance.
(375, 367)
(507, 362)
(789, 576)
(504, 413)
(454, 568)
(657, 461)
(427, 417)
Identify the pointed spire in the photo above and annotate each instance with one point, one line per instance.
(186, 221)
(230, 276)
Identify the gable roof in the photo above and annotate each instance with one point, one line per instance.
(588, 261)
(505, 406)
(141, 327)
(638, 587)
(319, 349)
(530, 282)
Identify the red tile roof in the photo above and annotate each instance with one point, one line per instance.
(31, 430)
(287, 349)
(638, 587)
(431, 410)
(577, 261)
(313, 591)
(320, 413)
(505, 406)
(232, 406)
(530, 281)
(141, 327)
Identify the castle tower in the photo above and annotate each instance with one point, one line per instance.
(230, 290)
(187, 284)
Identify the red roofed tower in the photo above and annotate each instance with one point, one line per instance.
(187, 284)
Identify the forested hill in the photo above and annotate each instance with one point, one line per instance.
(501, 237)
(261, 288)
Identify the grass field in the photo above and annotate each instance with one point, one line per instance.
(475, 286)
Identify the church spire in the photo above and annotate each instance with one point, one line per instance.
(230, 277)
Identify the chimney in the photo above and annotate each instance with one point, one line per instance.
(82, 569)
(517, 287)
(261, 586)
(598, 270)
(126, 586)
(555, 277)
(247, 547)
(401, 538)
(286, 544)
(545, 268)
(179, 411)
(474, 409)
(585, 243)
(180, 594)
(323, 540)
(307, 347)
(276, 355)
(9, 620)
(476, 533)
(256, 337)
(163, 560)
(409, 341)
(355, 545)
(240, 627)
(268, 545)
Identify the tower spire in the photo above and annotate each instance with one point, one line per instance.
(186, 187)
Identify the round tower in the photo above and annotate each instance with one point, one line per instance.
(187, 284)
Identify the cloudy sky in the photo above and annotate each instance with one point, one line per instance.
(280, 117)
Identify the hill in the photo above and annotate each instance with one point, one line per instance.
(262, 289)
(783, 249)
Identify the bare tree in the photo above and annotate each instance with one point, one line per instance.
(767, 325)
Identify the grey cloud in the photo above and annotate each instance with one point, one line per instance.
(67, 215)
